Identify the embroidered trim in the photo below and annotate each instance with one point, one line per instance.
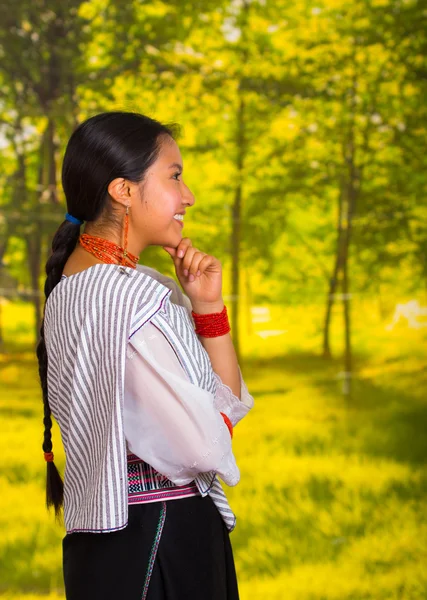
(154, 548)
(229, 397)
(227, 402)
(148, 497)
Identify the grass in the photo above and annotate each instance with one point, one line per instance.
(332, 498)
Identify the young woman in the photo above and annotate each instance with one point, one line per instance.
(141, 376)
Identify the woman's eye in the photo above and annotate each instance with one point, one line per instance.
(177, 175)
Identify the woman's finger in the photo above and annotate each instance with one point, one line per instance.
(182, 247)
(204, 263)
(194, 267)
(188, 259)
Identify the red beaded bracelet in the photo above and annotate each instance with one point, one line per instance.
(228, 423)
(212, 324)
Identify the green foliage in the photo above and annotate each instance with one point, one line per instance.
(267, 93)
(288, 108)
(332, 496)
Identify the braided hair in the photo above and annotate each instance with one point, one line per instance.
(102, 148)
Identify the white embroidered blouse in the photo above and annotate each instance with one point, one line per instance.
(169, 422)
(171, 399)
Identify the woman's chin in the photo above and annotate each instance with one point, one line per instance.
(171, 241)
(177, 236)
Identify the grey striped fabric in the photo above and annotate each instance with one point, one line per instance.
(89, 318)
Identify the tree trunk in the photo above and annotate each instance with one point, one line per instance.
(236, 209)
(47, 173)
(248, 303)
(33, 243)
(333, 282)
(48, 196)
(352, 190)
(3, 247)
(235, 267)
(236, 230)
(347, 325)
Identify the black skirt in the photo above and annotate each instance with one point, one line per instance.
(173, 550)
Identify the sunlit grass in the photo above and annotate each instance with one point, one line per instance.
(332, 500)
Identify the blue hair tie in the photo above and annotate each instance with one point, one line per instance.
(73, 219)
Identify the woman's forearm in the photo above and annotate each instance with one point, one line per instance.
(221, 351)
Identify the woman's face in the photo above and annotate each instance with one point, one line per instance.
(157, 200)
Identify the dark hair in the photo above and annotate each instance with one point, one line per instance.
(105, 146)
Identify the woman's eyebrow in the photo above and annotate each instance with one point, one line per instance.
(175, 166)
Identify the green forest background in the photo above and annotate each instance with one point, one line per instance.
(304, 141)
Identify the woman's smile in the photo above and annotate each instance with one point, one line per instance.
(179, 219)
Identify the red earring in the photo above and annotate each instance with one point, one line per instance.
(126, 228)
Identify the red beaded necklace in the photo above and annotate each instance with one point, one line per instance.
(108, 251)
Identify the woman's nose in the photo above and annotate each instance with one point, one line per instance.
(189, 197)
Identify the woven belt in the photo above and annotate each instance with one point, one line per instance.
(145, 484)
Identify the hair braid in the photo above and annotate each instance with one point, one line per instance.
(63, 244)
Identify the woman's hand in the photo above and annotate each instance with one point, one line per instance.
(199, 274)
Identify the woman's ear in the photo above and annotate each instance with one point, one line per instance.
(119, 189)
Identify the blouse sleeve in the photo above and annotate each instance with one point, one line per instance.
(169, 422)
(225, 401)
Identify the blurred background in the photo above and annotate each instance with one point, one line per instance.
(304, 142)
